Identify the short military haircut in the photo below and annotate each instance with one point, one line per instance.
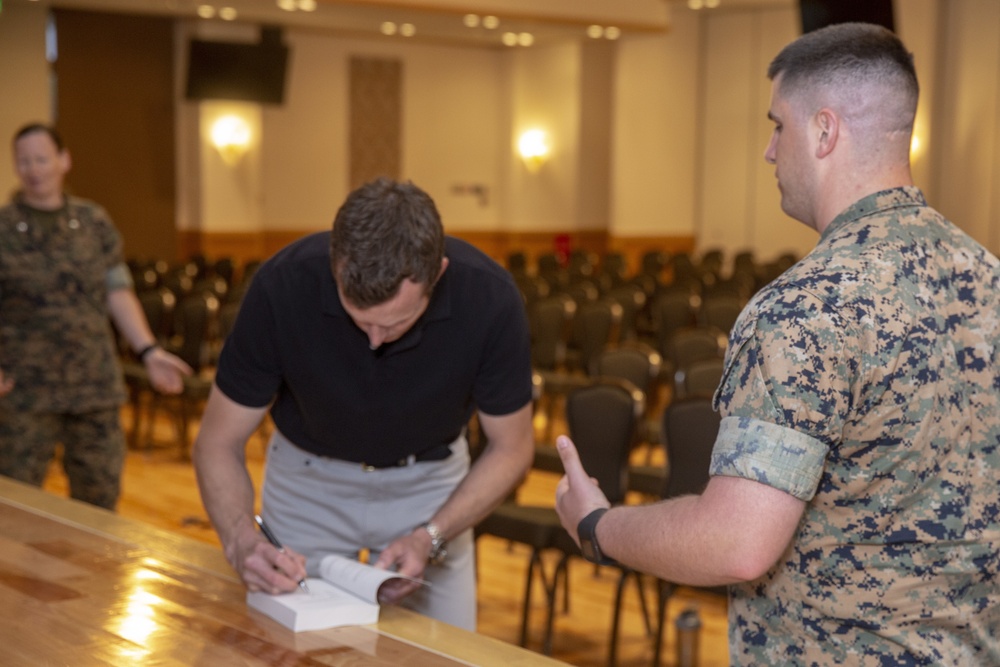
(848, 57)
(385, 232)
(32, 128)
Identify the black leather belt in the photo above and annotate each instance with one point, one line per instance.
(439, 453)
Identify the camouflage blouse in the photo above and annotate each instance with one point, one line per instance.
(55, 335)
(865, 381)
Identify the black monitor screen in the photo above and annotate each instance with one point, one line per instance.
(819, 13)
(236, 71)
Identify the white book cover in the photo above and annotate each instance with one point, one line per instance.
(346, 593)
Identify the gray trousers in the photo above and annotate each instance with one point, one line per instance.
(318, 506)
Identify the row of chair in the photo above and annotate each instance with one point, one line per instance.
(190, 309)
(602, 418)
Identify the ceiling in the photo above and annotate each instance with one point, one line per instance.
(547, 21)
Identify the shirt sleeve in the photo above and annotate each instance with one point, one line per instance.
(118, 277)
(249, 368)
(786, 392)
(503, 382)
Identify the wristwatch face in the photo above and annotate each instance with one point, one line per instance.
(589, 550)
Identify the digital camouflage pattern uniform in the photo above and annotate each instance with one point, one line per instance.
(57, 344)
(865, 381)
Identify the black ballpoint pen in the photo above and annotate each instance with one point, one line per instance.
(277, 545)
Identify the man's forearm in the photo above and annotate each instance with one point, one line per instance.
(498, 470)
(219, 457)
(226, 491)
(701, 540)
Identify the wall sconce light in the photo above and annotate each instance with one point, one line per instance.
(534, 149)
(231, 137)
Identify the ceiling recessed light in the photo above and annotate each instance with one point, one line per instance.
(611, 32)
(206, 11)
(287, 5)
(307, 5)
(595, 31)
(509, 39)
(227, 14)
(470, 20)
(525, 39)
(388, 28)
(407, 30)
(491, 22)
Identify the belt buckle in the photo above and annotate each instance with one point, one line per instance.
(401, 463)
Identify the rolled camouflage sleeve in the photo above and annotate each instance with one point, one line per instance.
(785, 393)
(780, 457)
(118, 277)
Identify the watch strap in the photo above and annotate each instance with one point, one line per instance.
(586, 531)
(438, 552)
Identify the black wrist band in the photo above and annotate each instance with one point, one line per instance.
(587, 533)
(146, 350)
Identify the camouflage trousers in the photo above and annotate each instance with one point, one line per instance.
(93, 451)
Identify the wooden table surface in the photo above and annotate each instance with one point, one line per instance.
(82, 586)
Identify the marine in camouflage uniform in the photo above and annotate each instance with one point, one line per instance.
(56, 342)
(854, 500)
(865, 382)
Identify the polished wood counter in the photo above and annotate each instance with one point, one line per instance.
(82, 586)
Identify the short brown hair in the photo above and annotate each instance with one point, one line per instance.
(386, 231)
(32, 128)
(846, 55)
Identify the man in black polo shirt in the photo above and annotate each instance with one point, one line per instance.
(371, 346)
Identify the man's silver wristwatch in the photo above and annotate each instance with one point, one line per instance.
(438, 552)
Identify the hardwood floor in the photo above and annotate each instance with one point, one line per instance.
(159, 488)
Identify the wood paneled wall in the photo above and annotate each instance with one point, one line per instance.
(115, 109)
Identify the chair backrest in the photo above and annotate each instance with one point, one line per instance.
(601, 418)
(690, 427)
(227, 318)
(550, 320)
(632, 299)
(636, 362)
(595, 325)
(694, 344)
(195, 318)
(699, 378)
(671, 312)
(720, 310)
(158, 306)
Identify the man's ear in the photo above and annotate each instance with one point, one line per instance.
(444, 265)
(828, 132)
(66, 159)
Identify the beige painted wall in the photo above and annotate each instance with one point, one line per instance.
(967, 149)
(687, 128)
(656, 125)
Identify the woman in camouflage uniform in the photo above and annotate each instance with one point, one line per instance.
(61, 277)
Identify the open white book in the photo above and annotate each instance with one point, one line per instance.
(346, 593)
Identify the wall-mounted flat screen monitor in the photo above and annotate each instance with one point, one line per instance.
(819, 13)
(237, 71)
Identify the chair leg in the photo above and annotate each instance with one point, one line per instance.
(182, 428)
(560, 573)
(534, 562)
(563, 569)
(616, 618)
(151, 409)
(642, 604)
(665, 590)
